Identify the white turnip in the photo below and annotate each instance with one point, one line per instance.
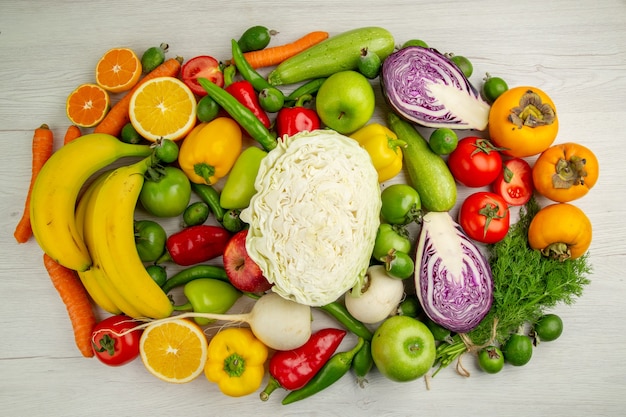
(377, 299)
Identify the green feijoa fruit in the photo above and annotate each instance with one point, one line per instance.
(369, 63)
(153, 57)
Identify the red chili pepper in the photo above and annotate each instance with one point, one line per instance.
(292, 369)
(196, 244)
(291, 120)
(244, 92)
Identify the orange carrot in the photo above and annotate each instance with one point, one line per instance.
(71, 133)
(43, 142)
(275, 55)
(117, 117)
(77, 303)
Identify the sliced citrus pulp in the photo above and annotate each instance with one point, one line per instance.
(118, 70)
(87, 105)
(163, 107)
(174, 350)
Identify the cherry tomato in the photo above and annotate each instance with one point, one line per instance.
(202, 66)
(475, 162)
(518, 349)
(515, 182)
(485, 217)
(111, 349)
(491, 359)
(168, 195)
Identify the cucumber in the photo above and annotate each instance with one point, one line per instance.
(427, 171)
(337, 53)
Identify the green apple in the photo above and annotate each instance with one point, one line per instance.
(345, 102)
(403, 348)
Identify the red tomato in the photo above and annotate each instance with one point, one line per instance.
(515, 182)
(111, 349)
(475, 162)
(485, 217)
(202, 66)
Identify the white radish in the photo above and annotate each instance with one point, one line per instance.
(377, 299)
(279, 323)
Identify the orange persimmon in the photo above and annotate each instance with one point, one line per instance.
(565, 172)
(523, 120)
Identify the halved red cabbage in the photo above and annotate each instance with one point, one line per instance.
(453, 279)
(425, 87)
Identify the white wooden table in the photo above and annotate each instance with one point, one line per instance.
(574, 50)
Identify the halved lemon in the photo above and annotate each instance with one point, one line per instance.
(163, 107)
(87, 105)
(174, 350)
(118, 70)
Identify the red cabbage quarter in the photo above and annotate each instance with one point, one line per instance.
(452, 277)
(427, 88)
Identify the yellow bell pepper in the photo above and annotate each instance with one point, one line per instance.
(384, 148)
(210, 150)
(236, 361)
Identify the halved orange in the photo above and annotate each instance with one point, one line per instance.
(163, 107)
(118, 70)
(174, 350)
(87, 105)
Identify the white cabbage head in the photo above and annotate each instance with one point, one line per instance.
(314, 217)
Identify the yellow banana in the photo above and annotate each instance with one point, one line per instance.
(114, 241)
(56, 190)
(90, 278)
(96, 272)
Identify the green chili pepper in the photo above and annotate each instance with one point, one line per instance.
(211, 197)
(247, 72)
(363, 363)
(336, 367)
(229, 74)
(192, 273)
(309, 87)
(343, 316)
(242, 115)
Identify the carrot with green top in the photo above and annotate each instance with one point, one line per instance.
(43, 143)
(77, 302)
(118, 116)
(275, 55)
(72, 132)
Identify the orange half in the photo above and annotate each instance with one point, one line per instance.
(118, 70)
(174, 350)
(87, 105)
(163, 107)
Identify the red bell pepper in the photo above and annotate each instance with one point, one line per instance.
(292, 369)
(196, 244)
(291, 120)
(244, 92)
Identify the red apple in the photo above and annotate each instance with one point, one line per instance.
(242, 271)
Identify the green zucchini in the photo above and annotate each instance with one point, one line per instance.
(427, 171)
(337, 53)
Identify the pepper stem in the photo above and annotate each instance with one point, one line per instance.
(272, 385)
(204, 170)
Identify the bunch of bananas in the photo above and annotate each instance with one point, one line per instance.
(94, 235)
